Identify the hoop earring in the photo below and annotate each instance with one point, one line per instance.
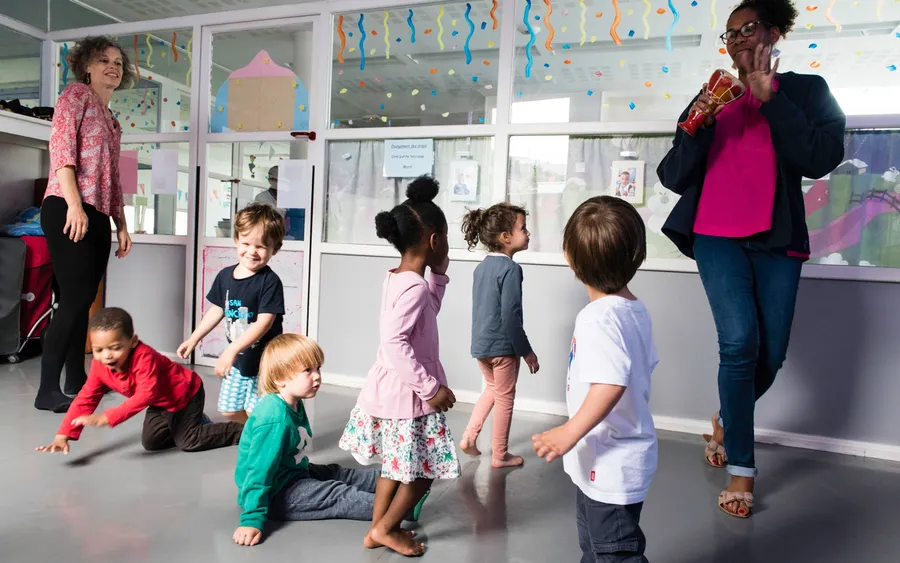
(87, 78)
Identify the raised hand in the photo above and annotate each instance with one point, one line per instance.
(762, 74)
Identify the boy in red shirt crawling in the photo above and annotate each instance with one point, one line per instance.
(171, 393)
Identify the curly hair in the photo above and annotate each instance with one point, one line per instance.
(88, 49)
(780, 14)
(407, 224)
(112, 318)
(486, 225)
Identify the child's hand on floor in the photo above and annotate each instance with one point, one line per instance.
(60, 444)
(184, 351)
(91, 420)
(553, 443)
(224, 363)
(443, 400)
(532, 361)
(245, 535)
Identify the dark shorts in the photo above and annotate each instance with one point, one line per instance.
(609, 533)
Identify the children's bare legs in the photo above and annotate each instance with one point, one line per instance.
(393, 501)
(238, 416)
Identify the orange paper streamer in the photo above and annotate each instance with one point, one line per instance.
(830, 18)
(612, 30)
(549, 43)
(343, 36)
(493, 15)
(174, 50)
(137, 69)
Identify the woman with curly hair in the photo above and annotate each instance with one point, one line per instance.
(741, 217)
(84, 192)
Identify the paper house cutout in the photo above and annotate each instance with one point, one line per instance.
(261, 96)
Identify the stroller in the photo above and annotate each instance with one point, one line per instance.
(27, 298)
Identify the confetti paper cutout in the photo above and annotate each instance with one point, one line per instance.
(454, 33)
(548, 77)
(661, 11)
(422, 107)
(434, 92)
(598, 74)
(892, 68)
(812, 8)
(451, 72)
(598, 15)
(546, 65)
(433, 71)
(446, 114)
(489, 87)
(590, 92)
(474, 79)
(362, 84)
(812, 45)
(428, 31)
(665, 69)
(415, 92)
(384, 118)
(667, 96)
(630, 33)
(483, 26)
(372, 51)
(490, 44)
(381, 106)
(567, 62)
(389, 95)
(648, 84)
(815, 64)
(343, 90)
(622, 62)
(631, 105)
(486, 63)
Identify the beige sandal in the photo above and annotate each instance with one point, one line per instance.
(745, 507)
(714, 449)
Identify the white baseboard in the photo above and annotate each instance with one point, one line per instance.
(687, 426)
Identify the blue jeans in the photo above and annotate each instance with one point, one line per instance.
(326, 492)
(609, 533)
(752, 291)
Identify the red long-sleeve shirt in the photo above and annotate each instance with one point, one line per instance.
(150, 379)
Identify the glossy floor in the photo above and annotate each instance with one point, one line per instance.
(109, 501)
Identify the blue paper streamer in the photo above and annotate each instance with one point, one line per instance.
(677, 16)
(412, 28)
(65, 65)
(362, 44)
(471, 33)
(531, 40)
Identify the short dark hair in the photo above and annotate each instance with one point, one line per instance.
(486, 225)
(405, 225)
(86, 50)
(780, 14)
(261, 214)
(112, 318)
(605, 242)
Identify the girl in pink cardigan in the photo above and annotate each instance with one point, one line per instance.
(399, 415)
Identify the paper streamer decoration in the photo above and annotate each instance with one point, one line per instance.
(714, 22)
(878, 8)
(190, 54)
(137, 68)
(644, 19)
(493, 14)
(172, 47)
(412, 27)
(343, 36)
(150, 52)
(531, 39)
(582, 21)
(675, 17)
(466, 48)
(362, 43)
(615, 24)
(387, 35)
(65, 64)
(830, 18)
(440, 35)
(549, 43)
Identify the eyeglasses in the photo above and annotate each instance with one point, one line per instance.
(747, 30)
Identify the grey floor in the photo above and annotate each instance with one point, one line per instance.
(109, 501)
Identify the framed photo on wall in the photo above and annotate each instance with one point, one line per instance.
(628, 181)
(464, 181)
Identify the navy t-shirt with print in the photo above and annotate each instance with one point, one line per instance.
(243, 301)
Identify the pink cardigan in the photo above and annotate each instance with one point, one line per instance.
(408, 370)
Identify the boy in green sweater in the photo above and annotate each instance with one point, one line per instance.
(272, 484)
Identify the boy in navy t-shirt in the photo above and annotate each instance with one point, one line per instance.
(250, 297)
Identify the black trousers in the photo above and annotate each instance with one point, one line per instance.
(184, 430)
(78, 268)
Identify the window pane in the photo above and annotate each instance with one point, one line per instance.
(421, 65)
(20, 68)
(68, 15)
(146, 210)
(357, 189)
(261, 79)
(159, 100)
(255, 167)
(32, 13)
(569, 53)
(552, 175)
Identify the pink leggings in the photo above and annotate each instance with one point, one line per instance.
(500, 375)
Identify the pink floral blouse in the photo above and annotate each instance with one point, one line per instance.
(87, 136)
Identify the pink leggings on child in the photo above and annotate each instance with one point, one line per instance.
(500, 375)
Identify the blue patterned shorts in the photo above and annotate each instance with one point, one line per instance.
(238, 393)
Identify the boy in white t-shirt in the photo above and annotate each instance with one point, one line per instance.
(608, 445)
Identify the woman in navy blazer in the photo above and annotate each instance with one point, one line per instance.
(741, 217)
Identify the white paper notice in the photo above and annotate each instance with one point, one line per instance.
(408, 158)
(164, 175)
(294, 184)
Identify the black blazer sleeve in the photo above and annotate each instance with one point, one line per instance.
(810, 139)
(683, 166)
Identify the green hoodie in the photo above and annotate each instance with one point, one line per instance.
(267, 453)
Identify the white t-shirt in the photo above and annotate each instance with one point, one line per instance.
(613, 344)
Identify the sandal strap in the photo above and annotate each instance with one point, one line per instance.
(715, 447)
(726, 497)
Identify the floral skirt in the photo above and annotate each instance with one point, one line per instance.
(407, 448)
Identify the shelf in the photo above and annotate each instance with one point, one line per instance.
(22, 130)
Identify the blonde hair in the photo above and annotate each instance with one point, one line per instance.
(286, 356)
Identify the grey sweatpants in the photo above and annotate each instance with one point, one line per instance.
(328, 491)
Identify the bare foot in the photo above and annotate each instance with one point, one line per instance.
(398, 540)
(739, 485)
(508, 460)
(369, 543)
(468, 446)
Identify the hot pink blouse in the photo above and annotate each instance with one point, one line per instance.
(408, 370)
(87, 136)
(738, 195)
